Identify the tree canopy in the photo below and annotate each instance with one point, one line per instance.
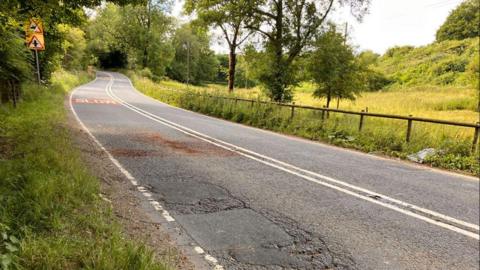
(230, 16)
(463, 22)
(194, 62)
(334, 68)
(288, 26)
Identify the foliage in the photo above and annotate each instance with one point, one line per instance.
(59, 21)
(9, 246)
(194, 62)
(138, 33)
(48, 199)
(463, 22)
(368, 58)
(15, 64)
(334, 68)
(73, 45)
(288, 26)
(449, 62)
(383, 136)
(230, 16)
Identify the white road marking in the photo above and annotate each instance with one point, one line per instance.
(167, 216)
(211, 259)
(199, 250)
(157, 207)
(289, 169)
(317, 143)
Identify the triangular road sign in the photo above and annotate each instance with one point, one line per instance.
(35, 43)
(34, 26)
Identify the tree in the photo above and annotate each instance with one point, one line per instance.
(136, 33)
(193, 62)
(15, 66)
(230, 17)
(334, 68)
(374, 78)
(463, 22)
(146, 29)
(73, 46)
(288, 26)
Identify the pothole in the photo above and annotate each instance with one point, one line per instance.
(192, 197)
(307, 250)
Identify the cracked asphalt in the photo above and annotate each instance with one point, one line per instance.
(249, 215)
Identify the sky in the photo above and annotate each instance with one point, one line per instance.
(389, 23)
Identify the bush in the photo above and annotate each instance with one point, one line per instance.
(48, 199)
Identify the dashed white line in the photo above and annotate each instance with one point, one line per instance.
(199, 250)
(211, 259)
(132, 179)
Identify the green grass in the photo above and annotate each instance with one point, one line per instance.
(382, 136)
(51, 216)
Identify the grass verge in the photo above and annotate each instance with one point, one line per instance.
(381, 136)
(51, 216)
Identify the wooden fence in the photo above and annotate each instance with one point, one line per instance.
(362, 115)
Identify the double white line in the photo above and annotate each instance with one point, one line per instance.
(432, 217)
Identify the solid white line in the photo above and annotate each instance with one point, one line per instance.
(165, 214)
(251, 154)
(370, 192)
(315, 143)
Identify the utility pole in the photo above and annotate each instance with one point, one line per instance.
(38, 67)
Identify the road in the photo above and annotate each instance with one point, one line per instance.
(253, 199)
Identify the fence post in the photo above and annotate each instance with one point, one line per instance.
(323, 113)
(360, 125)
(475, 137)
(293, 110)
(409, 129)
(251, 104)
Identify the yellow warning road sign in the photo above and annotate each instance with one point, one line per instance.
(34, 34)
(36, 43)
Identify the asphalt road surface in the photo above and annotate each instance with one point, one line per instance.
(252, 199)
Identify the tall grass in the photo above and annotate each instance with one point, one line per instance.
(383, 136)
(50, 214)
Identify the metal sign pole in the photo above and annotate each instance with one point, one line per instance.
(38, 65)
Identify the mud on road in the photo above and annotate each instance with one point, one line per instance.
(125, 201)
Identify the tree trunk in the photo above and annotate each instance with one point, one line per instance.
(278, 47)
(149, 25)
(232, 62)
(145, 57)
(14, 94)
(3, 91)
(338, 102)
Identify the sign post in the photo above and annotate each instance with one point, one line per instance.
(34, 39)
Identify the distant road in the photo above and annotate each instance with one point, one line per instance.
(253, 199)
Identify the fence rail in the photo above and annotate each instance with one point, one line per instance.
(363, 114)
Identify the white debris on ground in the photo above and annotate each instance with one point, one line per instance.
(420, 156)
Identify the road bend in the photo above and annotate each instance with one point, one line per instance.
(253, 199)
